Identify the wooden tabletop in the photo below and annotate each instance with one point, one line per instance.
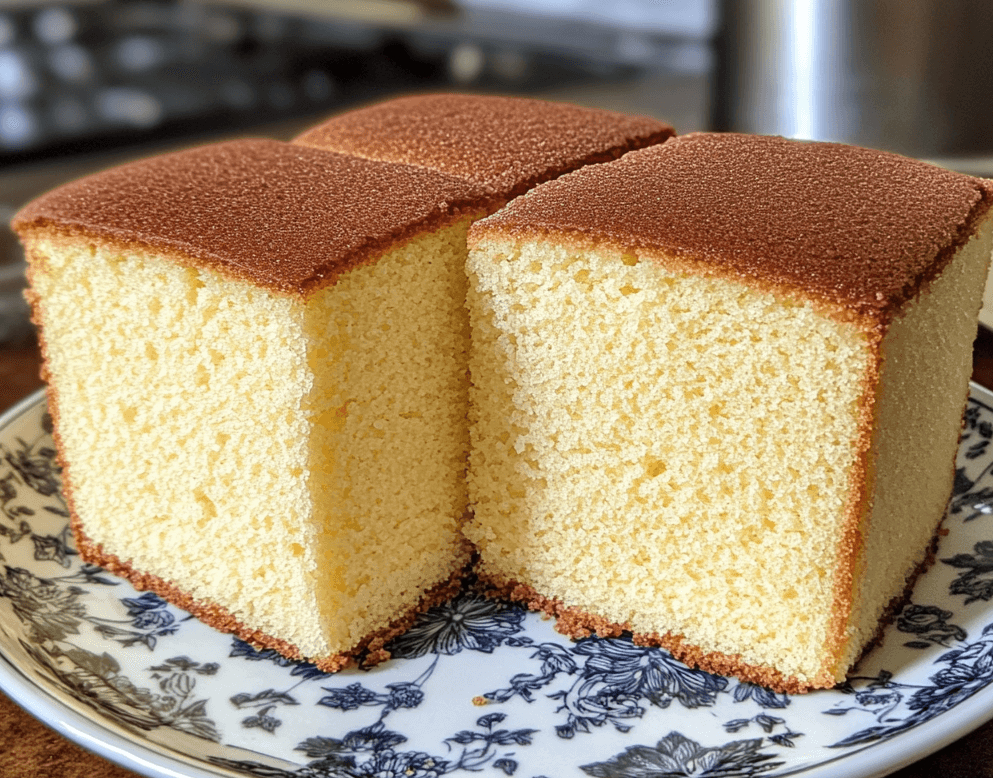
(28, 749)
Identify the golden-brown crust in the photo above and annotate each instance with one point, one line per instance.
(287, 218)
(505, 144)
(860, 230)
(576, 623)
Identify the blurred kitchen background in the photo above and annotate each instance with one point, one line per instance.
(85, 84)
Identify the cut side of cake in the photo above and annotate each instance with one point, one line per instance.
(256, 355)
(506, 145)
(717, 392)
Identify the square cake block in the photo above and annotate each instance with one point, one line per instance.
(257, 364)
(718, 387)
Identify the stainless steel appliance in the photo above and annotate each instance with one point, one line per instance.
(906, 75)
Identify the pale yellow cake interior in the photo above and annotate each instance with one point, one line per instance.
(677, 453)
(298, 462)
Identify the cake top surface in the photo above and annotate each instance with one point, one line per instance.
(852, 227)
(505, 144)
(284, 217)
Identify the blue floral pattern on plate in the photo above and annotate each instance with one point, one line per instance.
(476, 686)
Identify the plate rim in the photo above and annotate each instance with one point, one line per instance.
(93, 735)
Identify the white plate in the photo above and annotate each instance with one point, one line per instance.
(477, 686)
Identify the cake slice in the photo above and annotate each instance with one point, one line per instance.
(717, 391)
(506, 145)
(256, 355)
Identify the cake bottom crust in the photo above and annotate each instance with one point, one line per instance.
(369, 651)
(572, 622)
(576, 624)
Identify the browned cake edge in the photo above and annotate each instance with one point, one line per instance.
(852, 542)
(577, 623)
(369, 651)
(854, 521)
(896, 604)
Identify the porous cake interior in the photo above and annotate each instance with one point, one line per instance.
(679, 453)
(671, 450)
(389, 348)
(275, 441)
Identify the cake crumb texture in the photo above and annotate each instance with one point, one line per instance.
(672, 453)
(298, 464)
(677, 432)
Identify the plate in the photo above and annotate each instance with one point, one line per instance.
(475, 686)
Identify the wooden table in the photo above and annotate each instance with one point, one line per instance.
(28, 749)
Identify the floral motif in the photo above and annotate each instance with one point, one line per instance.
(969, 669)
(648, 672)
(36, 466)
(369, 752)
(676, 755)
(373, 752)
(266, 702)
(53, 611)
(49, 611)
(33, 465)
(90, 574)
(978, 502)
(55, 548)
(352, 697)
(403, 694)
(769, 725)
(465, 623)
(766, 698)
(150, 619)
(263, 720)
(977, 433)
(976, 494)
(98, 682)
(976, 583)
(610, 684)
(929, 624)
(241, 649)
